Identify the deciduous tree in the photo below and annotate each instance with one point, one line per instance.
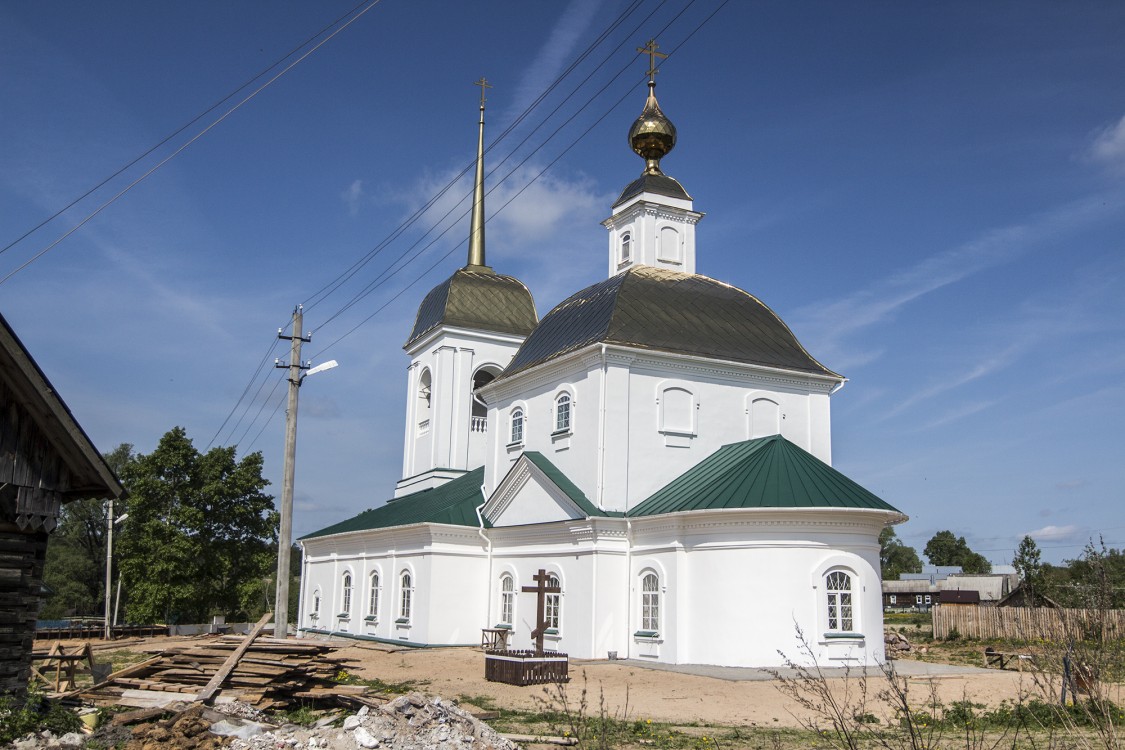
(896, 558)
(944, 548)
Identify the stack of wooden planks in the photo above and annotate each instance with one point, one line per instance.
(267, 673)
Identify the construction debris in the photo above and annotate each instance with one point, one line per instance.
(895, 644)
(265, 672)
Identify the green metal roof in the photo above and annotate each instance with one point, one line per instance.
(768, 472)
(568, 487)
(453, 503)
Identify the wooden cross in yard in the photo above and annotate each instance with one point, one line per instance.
(541, 589)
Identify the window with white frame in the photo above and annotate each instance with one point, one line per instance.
(346, 595)
(517, 427)
(928, 600)
(626, 247)
(315, 614)
(373, 597)
(562, 413)
(406, 596)
(507, 599)
(552, 605)
(838, 588)
(918, 599)
(893, 599)
(650, 603)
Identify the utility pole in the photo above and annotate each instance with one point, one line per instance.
(108, 568)
(285, 533)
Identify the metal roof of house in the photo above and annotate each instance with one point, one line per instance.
(660, 184)
(654, 308)
(89, 475)
(568, 487)
(768, 472)
(948, 596)
(475, 297)
(453, 503)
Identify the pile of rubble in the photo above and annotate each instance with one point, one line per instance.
(895, 644)
(411, 722)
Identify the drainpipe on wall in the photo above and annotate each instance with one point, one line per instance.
(488, 542)
(301, 588)
(629, 588)
(600, 500)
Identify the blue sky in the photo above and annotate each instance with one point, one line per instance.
(932, 196)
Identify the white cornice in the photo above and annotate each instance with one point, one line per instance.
(466, 333)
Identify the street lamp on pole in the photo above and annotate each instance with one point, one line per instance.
(297, 374)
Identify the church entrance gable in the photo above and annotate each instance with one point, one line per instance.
(534, 491)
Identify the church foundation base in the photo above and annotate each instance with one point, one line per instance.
(526, 667)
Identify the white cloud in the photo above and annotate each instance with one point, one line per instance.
(353, 196)
(1108, 146)
(565, 35)
(1053, 533)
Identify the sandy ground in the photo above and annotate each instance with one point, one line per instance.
(647, 693)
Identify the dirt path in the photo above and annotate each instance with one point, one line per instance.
(648, 693)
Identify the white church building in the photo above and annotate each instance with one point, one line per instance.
(660, 443)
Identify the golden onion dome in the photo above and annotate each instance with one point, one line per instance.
(652, 135)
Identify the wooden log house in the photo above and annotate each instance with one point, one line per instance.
(46, 460)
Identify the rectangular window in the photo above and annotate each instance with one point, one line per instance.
(552, 605)
(892, 598)
(927, 598)
(918, 599)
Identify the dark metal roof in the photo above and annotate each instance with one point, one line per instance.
(654, 308)
(453, 503)
(660, 184)
(768, 472)
(89, 473)
(946, 596)
(475, 297)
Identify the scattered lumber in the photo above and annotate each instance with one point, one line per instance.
(532, 739)
(264, 672)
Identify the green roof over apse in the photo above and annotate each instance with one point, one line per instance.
(453, 503)
(768, 472)
(569, 488)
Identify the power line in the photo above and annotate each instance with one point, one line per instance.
(173, 134)
(190, 141)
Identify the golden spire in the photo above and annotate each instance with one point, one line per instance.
(652, 135)
(476, 232)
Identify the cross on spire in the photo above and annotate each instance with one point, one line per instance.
(650, 50)
(484, 84)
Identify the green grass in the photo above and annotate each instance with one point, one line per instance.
(381, 686)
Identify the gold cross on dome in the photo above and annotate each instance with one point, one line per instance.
(650, 50)
(484, 84)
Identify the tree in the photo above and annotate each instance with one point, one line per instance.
(946, 549)
(75, 565)
(201, 536)
(1029, 567)
(896, 558)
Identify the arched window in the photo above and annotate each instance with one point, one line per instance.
(315, 614)
(373, 597)
(562, 413)
(677, 411)
(483, 377)
(626, 248)
(669, 245)
(552, 610)
(765, 418)
(424, 398)
(406, 600)
(347, 595)
(507, 599)
(517, 426)
(650, 603)
(838, 588)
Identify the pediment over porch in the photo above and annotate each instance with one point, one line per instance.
(535, 491)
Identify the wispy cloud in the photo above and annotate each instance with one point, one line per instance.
(1072, 484)
(352, 196)
(829, 324)
(1052, 533)
(1108, 146)
(554, 53)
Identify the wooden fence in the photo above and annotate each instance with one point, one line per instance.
(1026, 623)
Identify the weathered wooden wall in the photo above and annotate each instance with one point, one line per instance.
(22, 555)
(30, 465)
(1025, 623)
